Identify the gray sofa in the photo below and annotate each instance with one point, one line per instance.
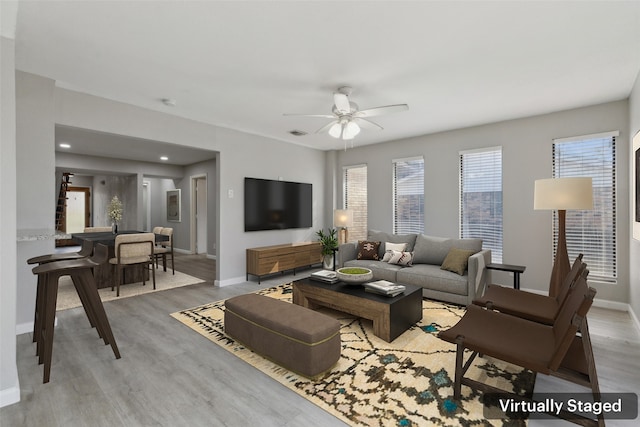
(429, 252)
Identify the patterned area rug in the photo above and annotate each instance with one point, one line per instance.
(408, 382)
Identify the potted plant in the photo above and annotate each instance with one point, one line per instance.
(329, 243)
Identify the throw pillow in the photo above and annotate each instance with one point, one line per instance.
(381, 236)
(457, 260)
(389, 247)
(401, 258)
(368, 250)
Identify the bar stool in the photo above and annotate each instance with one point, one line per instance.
(80, 271)
(85, 251)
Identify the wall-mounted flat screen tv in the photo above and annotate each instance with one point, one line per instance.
(276, 205)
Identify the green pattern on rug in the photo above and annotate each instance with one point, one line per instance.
(408, 382)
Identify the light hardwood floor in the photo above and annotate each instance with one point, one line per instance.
(171, 376)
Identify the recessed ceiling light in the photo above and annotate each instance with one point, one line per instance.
(164, 158)
(64, 145)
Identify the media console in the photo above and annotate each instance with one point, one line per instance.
(279, 258)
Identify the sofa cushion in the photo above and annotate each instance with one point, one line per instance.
(430, 249)
(368, 250)
(457, 260)
(381, 236)
(433, 250)
(432, 277)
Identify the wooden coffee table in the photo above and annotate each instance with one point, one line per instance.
(390, 316)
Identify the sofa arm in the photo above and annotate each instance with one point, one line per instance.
(346, 252)
(478, 273)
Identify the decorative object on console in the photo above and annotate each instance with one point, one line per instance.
(114, 212)
(562, 194)
(343, 219)
(329, 243)
(354, 275)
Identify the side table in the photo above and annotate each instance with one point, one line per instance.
(515, 269)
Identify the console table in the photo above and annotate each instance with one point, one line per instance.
(279, 258)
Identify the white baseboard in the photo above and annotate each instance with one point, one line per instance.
(634, 318)
(24, 328)
(10, 395)
(27, 328)
(229, 282)
(186, 252)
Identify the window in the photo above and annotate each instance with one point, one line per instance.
(593, 232)
(481, 198)
(408, 196)
(355, 198)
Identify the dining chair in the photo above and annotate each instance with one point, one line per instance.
(135, 249)
(164, 249)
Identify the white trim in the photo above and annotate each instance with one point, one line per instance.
(229, 282)
(480, 150)
(10, 395)
(192, 218)
(634, 318)
(408, 159)
(360, 165)
(590, 136)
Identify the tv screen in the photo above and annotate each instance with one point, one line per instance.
(276, 205)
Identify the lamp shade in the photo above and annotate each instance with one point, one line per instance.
(343, 218)
(563, 194)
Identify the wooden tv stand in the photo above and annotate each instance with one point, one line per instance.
(280, 258)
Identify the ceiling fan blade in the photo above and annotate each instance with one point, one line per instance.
(367, 124)
(324, 116)
(342, 103)
(326, 127)
(378, 111)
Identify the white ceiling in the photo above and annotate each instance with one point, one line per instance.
(241, 64)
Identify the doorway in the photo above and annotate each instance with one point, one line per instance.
(199, 214)
(76, 214)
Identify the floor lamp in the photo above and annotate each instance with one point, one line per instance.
(562, 194)
(343, 219)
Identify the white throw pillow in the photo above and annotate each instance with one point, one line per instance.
(401, 258)
(388, 247)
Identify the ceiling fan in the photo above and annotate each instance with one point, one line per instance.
(348, 119)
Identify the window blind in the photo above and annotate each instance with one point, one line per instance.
(355, 198)
(408, 196)
(590, 232)
(481, 198)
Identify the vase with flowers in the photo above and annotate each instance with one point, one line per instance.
(114, 212)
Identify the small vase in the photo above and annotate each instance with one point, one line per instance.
(114, 228)
(327, 262)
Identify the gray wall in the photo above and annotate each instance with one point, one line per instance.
(240, 155)
(9, 384)
(526, 145)
(634, 245)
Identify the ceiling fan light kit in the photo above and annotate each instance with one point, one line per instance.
(348, 119)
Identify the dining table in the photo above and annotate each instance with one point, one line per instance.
(105, 274)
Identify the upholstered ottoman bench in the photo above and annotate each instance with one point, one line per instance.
(295, 337)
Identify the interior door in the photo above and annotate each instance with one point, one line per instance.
(77, 213)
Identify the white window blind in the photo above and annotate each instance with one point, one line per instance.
(590, 232)
(408, 196)
(355, 199)
(481, 198)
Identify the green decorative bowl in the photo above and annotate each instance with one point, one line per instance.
(354, 275)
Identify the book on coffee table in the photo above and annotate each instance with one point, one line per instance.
(384, 287)
(325, 276)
